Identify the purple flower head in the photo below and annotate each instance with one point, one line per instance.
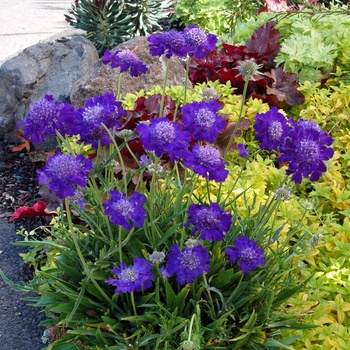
(212, 221)
(199, 43)
(164, 137)
(306, 149)
(64, 174)
(45, 118)
(242, 151)
(202, 120)
(171, 43)
(246, 253)
(126, 212)
(125, 60)
(207, 162)
(135, 278)
(271, 129)
(99, 109)
(187, 264)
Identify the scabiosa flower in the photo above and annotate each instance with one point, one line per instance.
(211, 221)
(125, 212)
(64, 174)
(283, 194)
(242, 151)
(246, 253)
(45, 118)
(134, 278)
(164, 136)
(206, 161)
(202, 120)
(98, 110)
(157, 257)
(249, 69)
(271, 129)
(199, 43)
(305, 150)
(125, 60)
(171, 43)
(187, 264)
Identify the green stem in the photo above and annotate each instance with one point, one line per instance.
(186, 81)
(207, 287)
(81, 257)
(245, 88)
(133, 303)
(119, 86)
(161, 107)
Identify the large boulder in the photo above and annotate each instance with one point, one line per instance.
(101, 78)
(50, 67)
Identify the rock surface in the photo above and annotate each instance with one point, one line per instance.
(50, 67)
(101, 78)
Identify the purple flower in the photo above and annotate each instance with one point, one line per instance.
(45, 118)
(202, 120)
(135, 278)
(199, 43)
(212, 221)
(64, 174)
(246, 253)
(187, 264)
(98, 110)
(271, 129)
(171, 43)
(306, 149)
(206, 161)
(125, 60)
(126, 212)
(242, 151)
(164, 136)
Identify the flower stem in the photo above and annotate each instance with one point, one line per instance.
(81, 257)
(133, 303)
(244, 94)
(119, 86)
(161, 107)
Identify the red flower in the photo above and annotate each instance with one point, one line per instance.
(38, 209)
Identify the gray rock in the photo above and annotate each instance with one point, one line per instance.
(101, 78)
(50, 67)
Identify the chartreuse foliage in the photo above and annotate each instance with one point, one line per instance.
(323, 207)
(218, 17)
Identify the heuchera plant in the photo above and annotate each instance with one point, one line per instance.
(145, 256)
(272, 85)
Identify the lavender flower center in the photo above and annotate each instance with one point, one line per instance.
(45, 110)
(248, 255)
(309, 150)
(275, 130)
(127, 57)
(129, 275)
(195, 37)
(123, 207)
(164, 132)
(205, 118)
(62, 165)
(189, 260)
(207, 155)
(174, 39)
(206, 218)
(92, 113)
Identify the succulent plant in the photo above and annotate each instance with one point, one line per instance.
(109, 22)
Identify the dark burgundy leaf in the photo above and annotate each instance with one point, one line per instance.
(285, 87)
(264, 42)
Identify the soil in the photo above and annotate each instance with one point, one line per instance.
(19, 322)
